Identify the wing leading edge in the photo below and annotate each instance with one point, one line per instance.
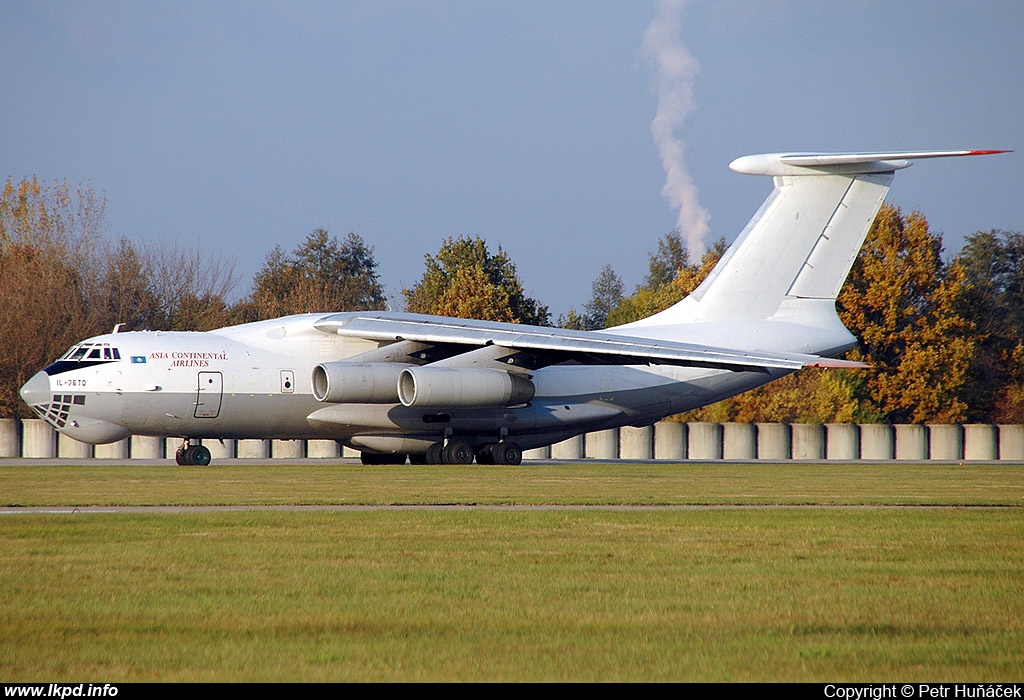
(584, 346)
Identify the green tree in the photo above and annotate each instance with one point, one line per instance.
(574, 321)
(466, 281)
(605, 295)
(993, 264)
(320, 275)
(657, 295)
(671, 257)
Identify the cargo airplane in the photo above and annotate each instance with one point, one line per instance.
(399, 386)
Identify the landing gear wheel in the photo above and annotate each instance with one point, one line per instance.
(485, 455)
(200, 455)
(511, 453)
(458, 452)
(507, 453)
(418, 458)
(192, 456)
(435, 453)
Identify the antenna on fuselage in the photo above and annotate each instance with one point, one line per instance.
(117, 328)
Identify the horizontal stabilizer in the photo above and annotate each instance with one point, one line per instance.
(840, 163)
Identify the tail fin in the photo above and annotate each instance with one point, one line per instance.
(798, 249)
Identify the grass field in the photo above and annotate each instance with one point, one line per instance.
(923, 579)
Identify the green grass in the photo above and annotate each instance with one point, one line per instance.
(726, 593)
(582, 483)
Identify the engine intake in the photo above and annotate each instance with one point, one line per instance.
(455, 387)
(351, 382)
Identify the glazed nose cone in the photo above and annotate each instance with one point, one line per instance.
(37, 390)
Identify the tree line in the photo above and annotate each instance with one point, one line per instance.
(945, 340)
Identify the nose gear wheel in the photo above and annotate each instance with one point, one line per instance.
(192, 455)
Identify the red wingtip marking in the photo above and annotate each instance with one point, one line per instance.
(987, 153)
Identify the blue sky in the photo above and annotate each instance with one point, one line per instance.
(235, 126)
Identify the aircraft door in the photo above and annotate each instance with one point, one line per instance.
(208, 396)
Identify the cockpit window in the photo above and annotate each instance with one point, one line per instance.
(84, 355)
(91, 351)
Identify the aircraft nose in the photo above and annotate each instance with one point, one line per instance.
(37, 390)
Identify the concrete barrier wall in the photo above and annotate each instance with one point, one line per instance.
(774, 441)
(114, 450)
(911, 442)
(322, 449)
(568, 449)
(705, 441)
(739, 441)
(981, 442)
(10, 438)
(636, 443)
(946, 442)
(1011, 442)
(254, 449)
(222, 449)
(842, 441)
(670, 440)
(288, 449)
(877, 441)
(145, 447)
(601, 445)
(808, 441)
(36, 439)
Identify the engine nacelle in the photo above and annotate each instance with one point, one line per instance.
(356, 382)
(461, 387)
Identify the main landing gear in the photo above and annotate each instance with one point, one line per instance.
(461, 452)
(454, 452)
(192, 455)
(500, 453)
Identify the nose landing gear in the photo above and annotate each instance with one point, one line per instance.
(192, 455)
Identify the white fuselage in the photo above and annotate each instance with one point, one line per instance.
(254, 381)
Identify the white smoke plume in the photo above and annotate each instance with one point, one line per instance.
(675, 72)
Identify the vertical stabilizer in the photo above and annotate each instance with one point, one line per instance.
(796, 252)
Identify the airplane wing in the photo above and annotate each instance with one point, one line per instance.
(587, 347)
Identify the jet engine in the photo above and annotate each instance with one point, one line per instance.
(462, 387)
(354, 382)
